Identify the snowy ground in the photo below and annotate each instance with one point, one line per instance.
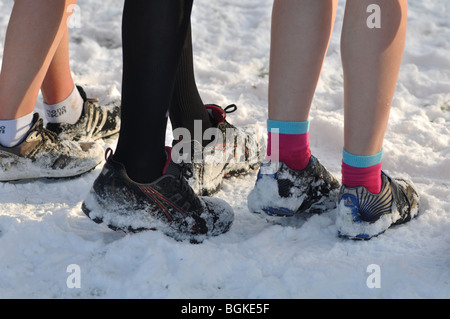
(43, 231)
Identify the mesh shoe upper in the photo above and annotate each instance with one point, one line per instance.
(167, 204)
(281, 191)
(362, 215)
(95, 122)
(43, 154)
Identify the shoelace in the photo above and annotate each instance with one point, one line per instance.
(231, 106)
(48, 137)
(227, 110)
(186, 172)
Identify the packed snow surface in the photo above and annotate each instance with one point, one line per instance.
(45, 239)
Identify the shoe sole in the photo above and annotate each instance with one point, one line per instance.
(50, 177)
(285, 212)
(99, 220)
(375, 225)
(164, 228)
(131, 230)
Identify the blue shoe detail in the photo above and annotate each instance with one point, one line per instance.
(351, 202)
(359, 236)
(278, 211)
(364, 215)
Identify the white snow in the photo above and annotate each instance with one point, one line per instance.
(43, 230)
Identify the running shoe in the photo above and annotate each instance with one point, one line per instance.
(168, 204)
(281, 191)
(363, 215)
(96, 122)
(232, 152)
(42, 154)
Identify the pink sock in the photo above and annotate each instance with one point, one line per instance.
(293, 149)
(369, 177)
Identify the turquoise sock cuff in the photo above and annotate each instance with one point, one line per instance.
(285, 127)
(362, 161)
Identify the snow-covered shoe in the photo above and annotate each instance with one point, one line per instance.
(167, 204)
(96, 122)
(41, 154)
(281, 191)
(233, 152)
(363, 215)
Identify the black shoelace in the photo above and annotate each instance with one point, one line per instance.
(48, 137)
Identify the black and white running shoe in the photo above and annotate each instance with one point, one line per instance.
(168, 204)
(43, 155)
(232, 152)
(281, 191)
(96, 122)
(363, 215)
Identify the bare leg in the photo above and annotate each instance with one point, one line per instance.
(301, 32)
(371, 59)
(369, 202)
(58, 82)
(34, 32)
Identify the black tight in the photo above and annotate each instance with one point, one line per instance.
(154, 34)
(187, 105)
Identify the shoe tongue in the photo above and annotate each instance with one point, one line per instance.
(36, 124)
(36, 121)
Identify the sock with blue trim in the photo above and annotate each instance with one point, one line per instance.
(293, 143)
(362, 171)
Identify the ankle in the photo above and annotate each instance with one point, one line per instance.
(67, 111)
(362, 171)
(13, 132)
(288, 142)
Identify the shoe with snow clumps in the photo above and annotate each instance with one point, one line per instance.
(96, 122)
(233, 152)
(281, 191)
(43, 155)
(168, 204)
(363, 215)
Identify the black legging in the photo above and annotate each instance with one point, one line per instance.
(187, 104)
(154, 35)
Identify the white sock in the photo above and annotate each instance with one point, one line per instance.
(67, 111)
(13, 132)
